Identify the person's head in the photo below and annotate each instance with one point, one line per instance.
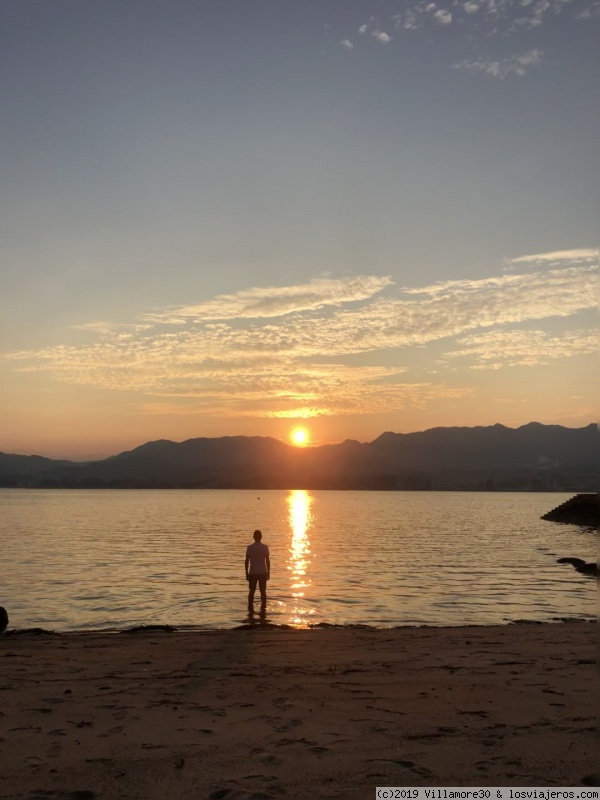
(257, 536)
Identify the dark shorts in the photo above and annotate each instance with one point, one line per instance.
(260, 579)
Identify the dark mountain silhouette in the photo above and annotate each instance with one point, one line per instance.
(30, 465)
(533, 456)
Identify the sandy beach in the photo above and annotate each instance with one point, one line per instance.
(278, 713)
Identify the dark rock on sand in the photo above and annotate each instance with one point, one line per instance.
(150, 629)
(587, 568)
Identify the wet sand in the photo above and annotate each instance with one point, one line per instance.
(274, 713)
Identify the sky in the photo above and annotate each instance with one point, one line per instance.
(228, 217)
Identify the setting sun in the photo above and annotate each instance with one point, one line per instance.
(299, 436)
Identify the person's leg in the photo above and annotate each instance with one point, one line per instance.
(251, 590)
(262, 585)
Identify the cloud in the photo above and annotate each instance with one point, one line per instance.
(381, 36)
(409, 20)
(248, 354)
(512, 348)
(362, 29)
(276, 301)
(347, 44)
(514, 65)
(102, 326)
(443, 17)
(582, 255)
(414, 318)
(490, 18)
(319, 390)
(591, 12)
(266, 386)
(355, 398)
(456, 307)
(532, 14)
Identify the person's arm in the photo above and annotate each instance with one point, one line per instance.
(268, 562)
(246, 564)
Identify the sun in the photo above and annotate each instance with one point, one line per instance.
(299, 436)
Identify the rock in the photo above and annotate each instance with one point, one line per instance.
(150, 629)
(582, 510)
(589, 568)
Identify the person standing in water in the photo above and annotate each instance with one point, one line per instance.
(258, 570)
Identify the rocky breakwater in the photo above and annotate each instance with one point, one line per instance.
(582, 509)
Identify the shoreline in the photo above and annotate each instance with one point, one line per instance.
(292, 713)
(256, 625)
(590, 525)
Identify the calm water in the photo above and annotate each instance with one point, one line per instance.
(95, 559)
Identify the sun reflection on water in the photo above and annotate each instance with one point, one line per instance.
(300, 519)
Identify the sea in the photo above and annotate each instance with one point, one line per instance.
(81, 560)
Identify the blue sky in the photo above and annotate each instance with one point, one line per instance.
(226, 217)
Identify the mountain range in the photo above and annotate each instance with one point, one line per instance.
(532, 457)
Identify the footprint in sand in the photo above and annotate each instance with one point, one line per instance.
(267, 758)
(52, 794)
(239, 794)
(35, 728)
(214, 712)
(422, 771)
(292, 723)
(314, 747)
(591, 780)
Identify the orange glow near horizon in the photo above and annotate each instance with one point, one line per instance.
(299, 436)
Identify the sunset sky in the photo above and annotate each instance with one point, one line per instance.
(223, 218)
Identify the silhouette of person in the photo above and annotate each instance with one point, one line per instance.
(258, 570)
(3, 619)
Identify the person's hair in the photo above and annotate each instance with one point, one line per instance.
(257, 535)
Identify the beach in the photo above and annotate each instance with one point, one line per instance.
(283, 713)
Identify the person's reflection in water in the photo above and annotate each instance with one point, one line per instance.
(258, 571)
(258, 620)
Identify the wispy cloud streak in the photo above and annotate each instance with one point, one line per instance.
(559, 256)
(277, 301)
(292, 350)
(494, 17)
(523, 348)
(516, 65)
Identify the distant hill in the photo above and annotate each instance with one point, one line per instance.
(534, 456)
(30, 465)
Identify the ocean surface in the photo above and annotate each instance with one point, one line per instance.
(81, 560)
